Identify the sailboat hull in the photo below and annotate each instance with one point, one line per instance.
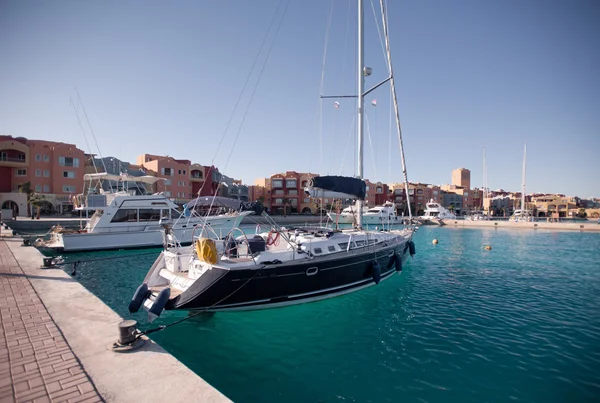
(288, 284)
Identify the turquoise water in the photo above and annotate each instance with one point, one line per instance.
(460, 324)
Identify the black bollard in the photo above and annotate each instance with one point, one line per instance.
(127, 330)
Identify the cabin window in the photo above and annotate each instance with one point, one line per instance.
(360, 243)
(175, 214)
(343, 245)
(146, 215)
(317, 250)
(331, 248)
(125, 215)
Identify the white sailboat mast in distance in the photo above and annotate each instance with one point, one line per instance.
(523, 179)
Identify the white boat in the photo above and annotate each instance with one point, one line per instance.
(435, 213)
(346, 216)
(378, 215)
(124, 219)
(477, 216)
(522, 214)
(283, 266)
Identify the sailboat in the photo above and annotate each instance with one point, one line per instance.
(282, 266)
(522, 214)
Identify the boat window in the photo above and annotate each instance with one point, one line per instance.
(373, 210)
(343, 246)
(175, 214)
(317, 250)
(331, 248)
(149, 215)
(125, 215)
(372, 241)
(360, 243)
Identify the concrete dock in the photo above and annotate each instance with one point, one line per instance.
(584, 226)
(55, 339)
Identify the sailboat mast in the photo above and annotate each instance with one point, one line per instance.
(485, 186)
(395, 99)
(360, 106)
(523, 180)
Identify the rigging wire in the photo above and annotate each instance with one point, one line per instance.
(348, 143)
(378, 30)
(91, 129)
(397, 113)
(371, 144)
(237, 103)
(320, 109)
(343, 76)
(83, 133)
(249, 104)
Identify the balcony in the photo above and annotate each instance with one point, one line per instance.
(13, 162)
(196, 176)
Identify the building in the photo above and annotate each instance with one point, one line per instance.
(420, 194)
(462, 202)
(377, 193)
(286, 190)
(55, 171)
(548, 204)
(177, 184)
(461, 177)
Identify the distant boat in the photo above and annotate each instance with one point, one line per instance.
(378, 215)
(123, 219)
(522, 214)
(435, 213)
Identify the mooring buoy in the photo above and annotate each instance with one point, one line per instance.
(488, 247)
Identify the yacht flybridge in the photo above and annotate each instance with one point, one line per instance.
(282, 266)
(124, 216)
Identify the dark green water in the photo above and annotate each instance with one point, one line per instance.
(460, 324)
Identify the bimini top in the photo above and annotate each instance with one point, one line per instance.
(125, 178)
(219, 201)
(337, 187)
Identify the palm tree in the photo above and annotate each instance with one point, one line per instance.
(285, 201)
(26, 188)
(37, 201)
(451, 207)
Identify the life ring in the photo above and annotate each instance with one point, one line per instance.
(273, 238)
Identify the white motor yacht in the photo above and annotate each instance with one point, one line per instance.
(123, 220)
(378, 215)
(435, 213)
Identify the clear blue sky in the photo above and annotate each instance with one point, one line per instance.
(163, 78)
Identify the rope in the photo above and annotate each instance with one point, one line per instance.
(77, 262)
(162, 327)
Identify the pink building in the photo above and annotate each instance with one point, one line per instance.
(55, 171)
(177, 173)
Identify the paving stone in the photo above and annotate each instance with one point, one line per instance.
(35, 359)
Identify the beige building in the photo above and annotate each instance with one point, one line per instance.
(549, 204)
(461, 177)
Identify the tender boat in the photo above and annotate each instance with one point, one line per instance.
(125, 219)
(283, 266)
(435, 214)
